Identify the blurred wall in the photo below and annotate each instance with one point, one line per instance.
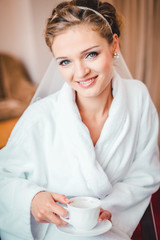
(41, 10)
(22, 24)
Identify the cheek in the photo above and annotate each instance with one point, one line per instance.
(66, 74)
(104, 64)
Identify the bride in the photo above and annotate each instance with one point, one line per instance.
(96, 136)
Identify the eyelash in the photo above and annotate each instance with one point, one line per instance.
(62, 63)
(94, 54)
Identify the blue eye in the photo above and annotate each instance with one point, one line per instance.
(64, 62)
(92, 55)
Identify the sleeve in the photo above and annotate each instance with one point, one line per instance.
(19, 178)
(130, 196)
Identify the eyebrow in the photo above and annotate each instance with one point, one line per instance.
(89, 49)
(86, 50)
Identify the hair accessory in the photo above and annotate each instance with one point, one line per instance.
(116, 55)
(97, 13)
(54, 16)
(90, 9)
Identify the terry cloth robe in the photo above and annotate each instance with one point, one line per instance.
(51, 149)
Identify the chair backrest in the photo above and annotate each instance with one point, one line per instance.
(148, 226)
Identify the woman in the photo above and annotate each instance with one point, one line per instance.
(96, 137)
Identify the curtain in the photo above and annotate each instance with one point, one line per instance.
(140, 42)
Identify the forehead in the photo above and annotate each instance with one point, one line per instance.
(76, 39)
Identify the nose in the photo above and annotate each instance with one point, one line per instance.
(81, 70)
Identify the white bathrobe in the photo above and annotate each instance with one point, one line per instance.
(51, 149)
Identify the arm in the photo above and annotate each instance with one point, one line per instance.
(21, 196)
(131, 195)
(22, 175)
(16, 192)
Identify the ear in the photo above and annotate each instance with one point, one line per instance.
(115, 44)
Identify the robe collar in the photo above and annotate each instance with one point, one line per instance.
(78, 137)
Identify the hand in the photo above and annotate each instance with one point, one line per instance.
(104, 215)
(45, 210)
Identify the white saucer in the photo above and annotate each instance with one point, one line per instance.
(100, 228)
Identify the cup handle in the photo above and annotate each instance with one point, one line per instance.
(66, 219)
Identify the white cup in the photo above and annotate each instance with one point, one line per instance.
(83, 212)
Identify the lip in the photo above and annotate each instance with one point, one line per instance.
(87, 82)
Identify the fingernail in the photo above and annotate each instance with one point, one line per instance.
(66, 199)
(99, 220)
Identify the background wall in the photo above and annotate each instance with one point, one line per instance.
(22, 24)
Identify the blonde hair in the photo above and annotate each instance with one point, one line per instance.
(68, 14)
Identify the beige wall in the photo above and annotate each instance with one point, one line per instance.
(21, 32)
(41, 10)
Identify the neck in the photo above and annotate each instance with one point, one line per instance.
(96, 106)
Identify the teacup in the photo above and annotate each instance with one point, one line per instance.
(83, 212)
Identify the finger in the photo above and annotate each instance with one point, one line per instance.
(104, 215)
(59, 210)
(60, 198)
(42, 221)
(50, 218)
(45, 216)
(53, 218)
(101, 210)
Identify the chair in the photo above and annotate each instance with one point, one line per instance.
(148, 226)
(147, 229)
(16, 87)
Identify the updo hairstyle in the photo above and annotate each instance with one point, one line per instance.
(67, 14)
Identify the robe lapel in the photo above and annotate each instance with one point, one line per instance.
(115, 131)
(79, 142)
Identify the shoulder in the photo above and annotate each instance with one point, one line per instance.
(44, 105)
(36, 118)
(42, 108)
(135, 86)
(136, 90)
(138, 94)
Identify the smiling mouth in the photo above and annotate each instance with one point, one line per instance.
(88, 82)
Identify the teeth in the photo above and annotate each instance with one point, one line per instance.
(87, 81)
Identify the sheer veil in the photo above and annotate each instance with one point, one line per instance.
(53, 81)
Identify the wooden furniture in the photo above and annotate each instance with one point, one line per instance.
(5, 130)
(16, 87)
